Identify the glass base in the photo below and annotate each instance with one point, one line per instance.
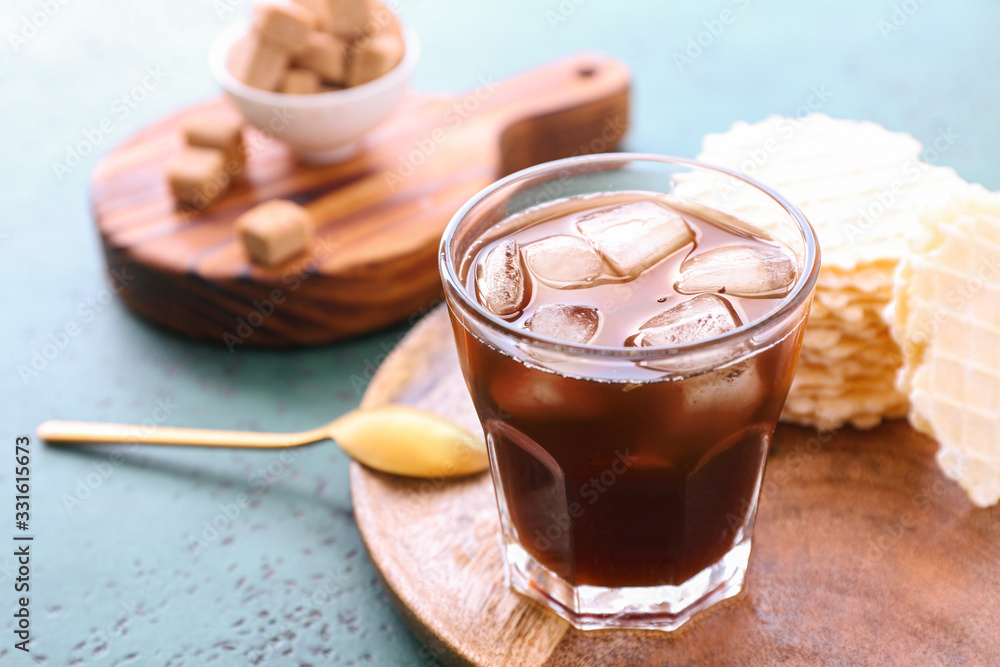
(663, 608)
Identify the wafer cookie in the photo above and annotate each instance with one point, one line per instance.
(946, 318)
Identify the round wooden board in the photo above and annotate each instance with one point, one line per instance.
(379, 215)
(864, 553)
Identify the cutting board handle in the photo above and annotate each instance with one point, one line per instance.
(546, 110)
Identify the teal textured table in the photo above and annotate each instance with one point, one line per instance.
(148, 557)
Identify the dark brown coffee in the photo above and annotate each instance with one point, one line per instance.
(642, 480)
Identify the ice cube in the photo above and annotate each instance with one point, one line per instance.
(740, 270)
(529, 393)
(702, 317)
(635, 236)
(563, 261)
(501, 283)
(723, 401)
(570, 323)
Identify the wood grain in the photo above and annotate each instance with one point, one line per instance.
(864, 553)
(379, 215)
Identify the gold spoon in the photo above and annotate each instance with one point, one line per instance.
(391, 438)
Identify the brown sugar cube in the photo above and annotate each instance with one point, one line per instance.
(300, 82)
(326, 55)
(197, 176)
(284, 25)
(322, 10)
(258, 62)
(275, 231)
(373, 58)
(352, 18)
(383, 20)
(220, 130)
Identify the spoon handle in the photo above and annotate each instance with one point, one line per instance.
(75, 432)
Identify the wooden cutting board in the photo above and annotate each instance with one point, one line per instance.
(379, 215)
(864, 553)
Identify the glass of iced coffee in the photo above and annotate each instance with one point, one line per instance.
(628, 326)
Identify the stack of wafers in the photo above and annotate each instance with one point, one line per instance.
(862, 187)
(946, 317)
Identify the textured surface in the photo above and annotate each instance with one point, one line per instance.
(946, 318)
(117, 579)
(853, 526)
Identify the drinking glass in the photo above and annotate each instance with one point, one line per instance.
(627, 478)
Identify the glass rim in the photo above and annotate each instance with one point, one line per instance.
(455, 287)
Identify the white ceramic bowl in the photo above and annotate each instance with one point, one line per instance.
(320, 128)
